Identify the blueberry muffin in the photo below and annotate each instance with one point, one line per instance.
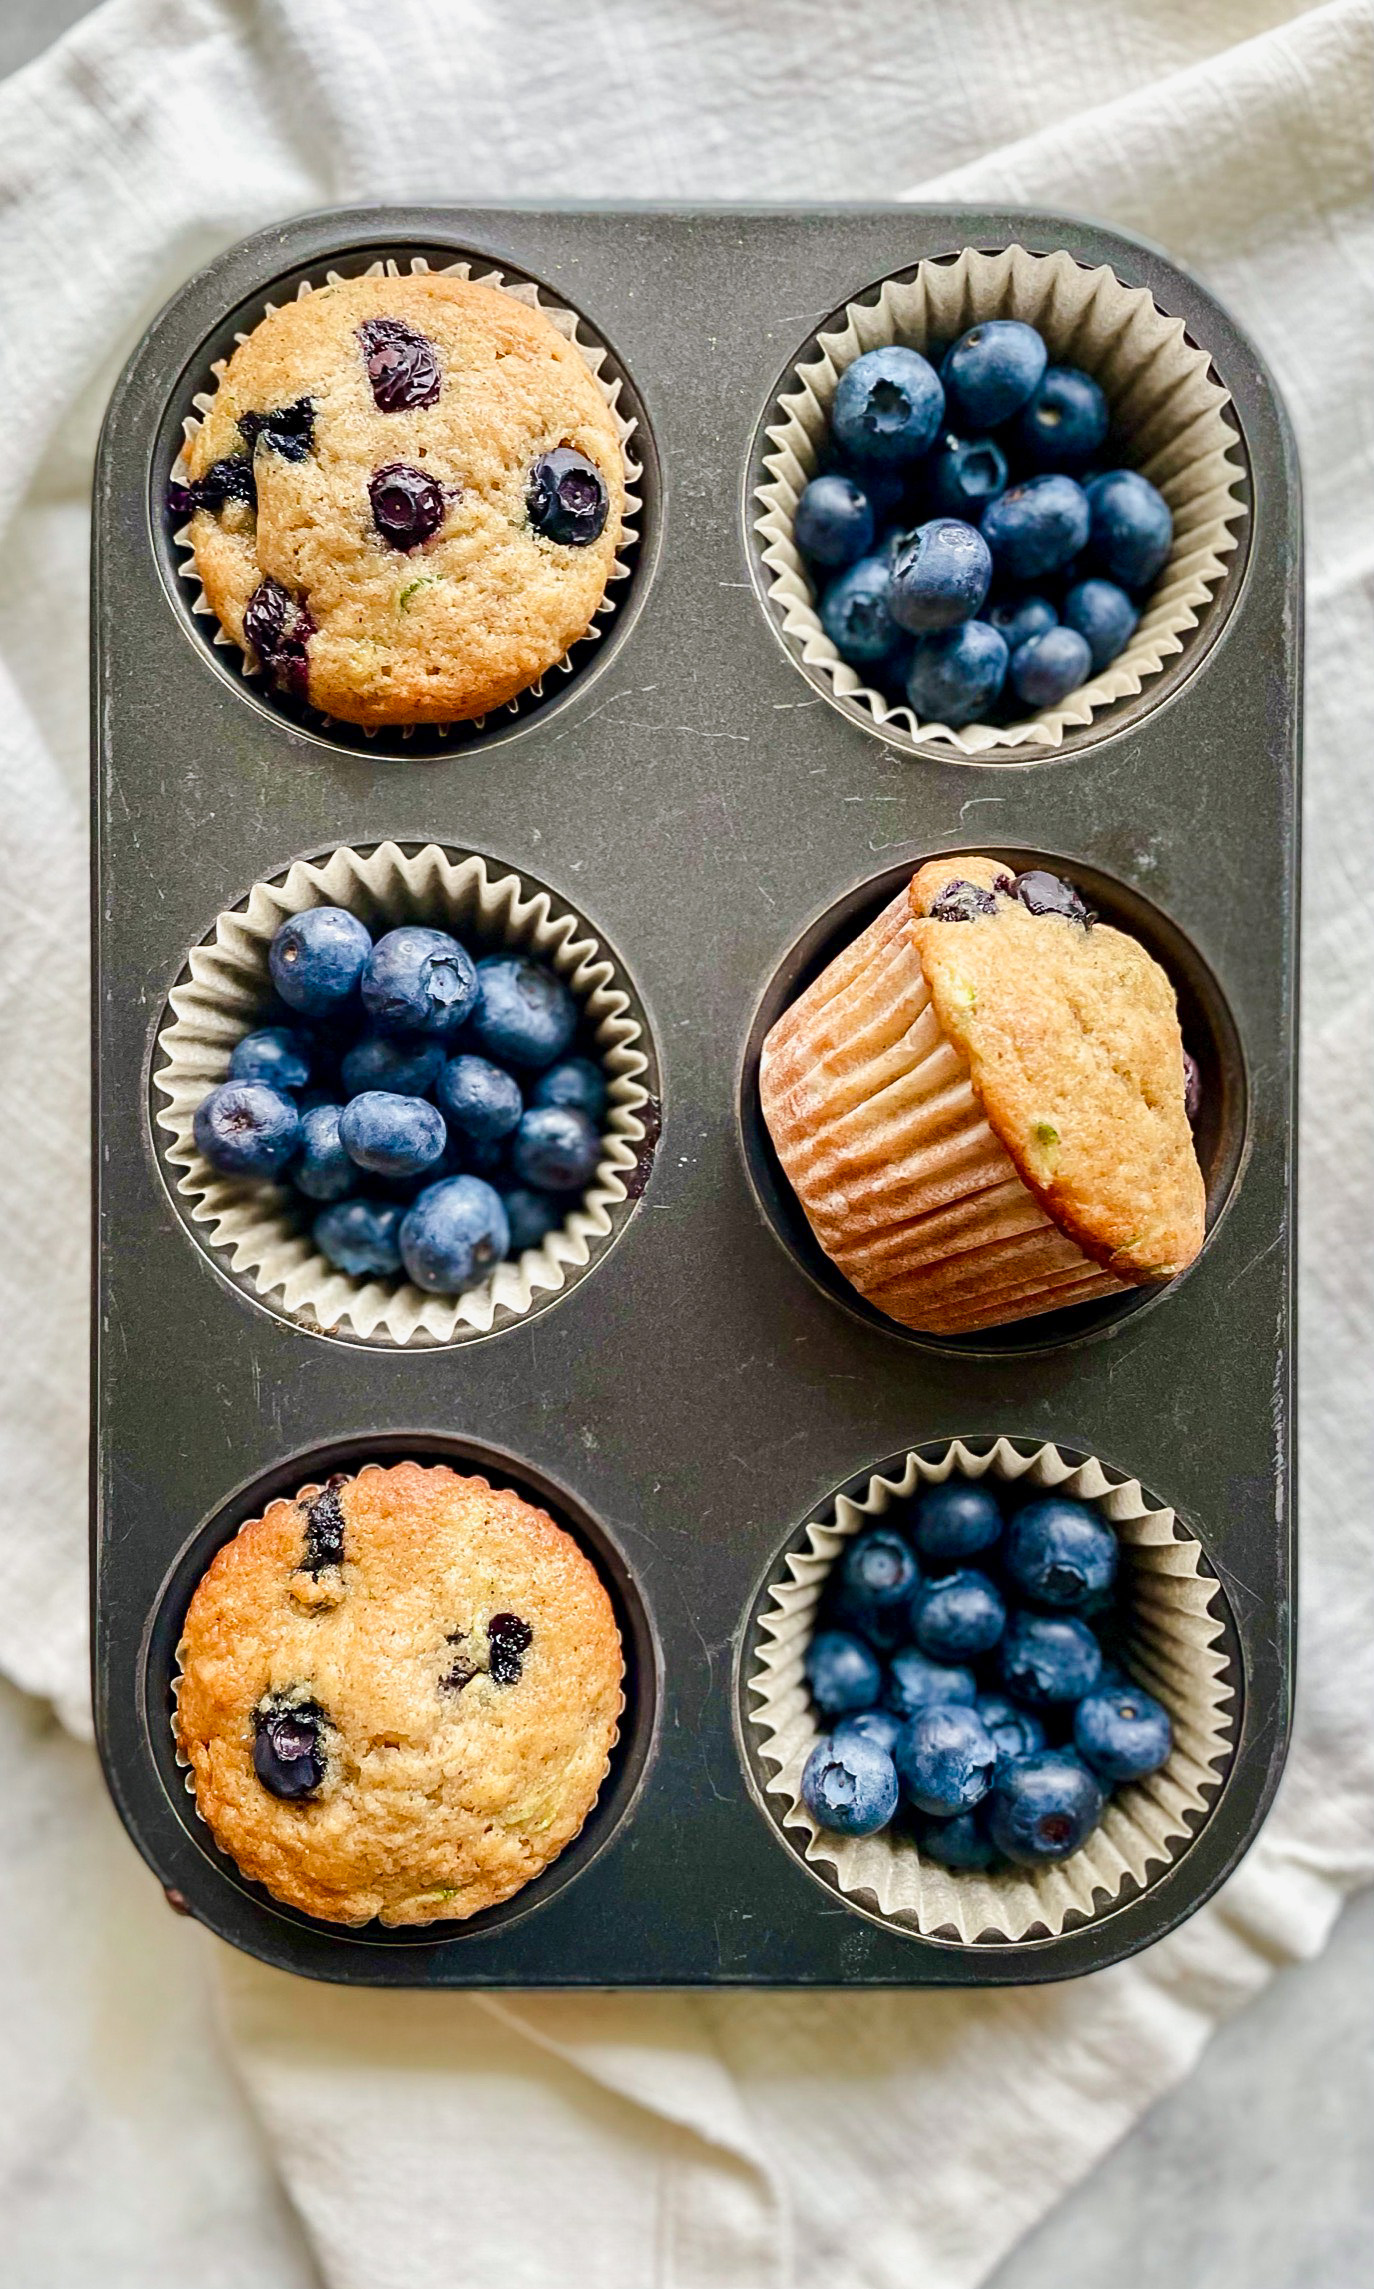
(405, 498)
(983, 1105)
(398, 1695)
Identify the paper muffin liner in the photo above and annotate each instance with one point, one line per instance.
(187, 1770)
(257, 1225)
(1168, 418)
(899, 1173)
(1175, 1648)
(593, 353)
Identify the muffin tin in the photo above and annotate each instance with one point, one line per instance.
(702, 1393)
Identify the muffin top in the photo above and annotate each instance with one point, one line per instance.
(1072, 1039)
(376, 516)
(399, 1694)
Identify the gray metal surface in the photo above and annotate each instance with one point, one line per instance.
(697, 1395)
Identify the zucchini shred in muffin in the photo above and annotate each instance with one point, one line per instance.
(981, 1105)
(405, 498)
(398, 1695)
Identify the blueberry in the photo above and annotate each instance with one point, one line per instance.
(884, 486)
(849, 1786)
(941, 576)
(1104, 616)
(316, 959)
(956, 674)
(322, 1169)
(1036, 527)
(1122, 1733)
(879, 1725)
(1015, 1732)
(418, 981)
(408, 1063)
(958, 1615)
(391, 1135)
(360, 1237)
(567, 498)
(1043, 1807)
(1060, 1552)
(401, 365)
(278, 630)
(508, 1641)
(1018, 618)
(1044, 893)
(407, 504)
(480, 1099)
(453, 1233)
(1049, 667)
(878, 1572)
(556, 1149)
(962, 1843)
(531, 1217)
(1047, 1658)
(576, 1083)
(962, 902)
(888, 406)
(480, 1156)
(523, 1014)
(288, 430)
(915, 1682)
(834, 521)
(843, 1673)
(277, 1054)
(245, 1128)
(1064, 421)
(1132, 527)
(945, 1760)
(287, 1756)
(224, 481)
(1192, 1089)
(964, 474)
(324, 1527)
(955, 1520)
(992, 370)
(856, 613)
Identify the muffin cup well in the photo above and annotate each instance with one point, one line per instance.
(257, 1226)
(1168, 416)
(1176, 1647)
(941, 1235)
(630, 1753)
(594, 355)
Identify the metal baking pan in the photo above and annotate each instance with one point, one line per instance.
(687, 1406)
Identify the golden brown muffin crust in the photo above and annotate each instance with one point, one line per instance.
(1074, 1049)
(474, 615)
(438, 1798)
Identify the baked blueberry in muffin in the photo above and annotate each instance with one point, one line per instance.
(398, 1695)
(405, 498)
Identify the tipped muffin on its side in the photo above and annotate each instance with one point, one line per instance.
(980, 1105)
(398, 1695)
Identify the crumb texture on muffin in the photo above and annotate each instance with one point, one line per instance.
(1073, 1046)
(482, 605)
(456, 1659)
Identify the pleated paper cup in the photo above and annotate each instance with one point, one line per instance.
(1175, 1647)
(594, 355)
(901, 1177)
(260, 1231)
(1169, 420)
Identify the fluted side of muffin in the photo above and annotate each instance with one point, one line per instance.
(979, 1108)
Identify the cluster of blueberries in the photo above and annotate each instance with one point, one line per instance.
(975, 1699)
(984, 479)
(424, 1103)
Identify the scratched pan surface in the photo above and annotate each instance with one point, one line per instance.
(688, 1405)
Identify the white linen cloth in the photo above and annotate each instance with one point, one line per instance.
(748, 2139)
